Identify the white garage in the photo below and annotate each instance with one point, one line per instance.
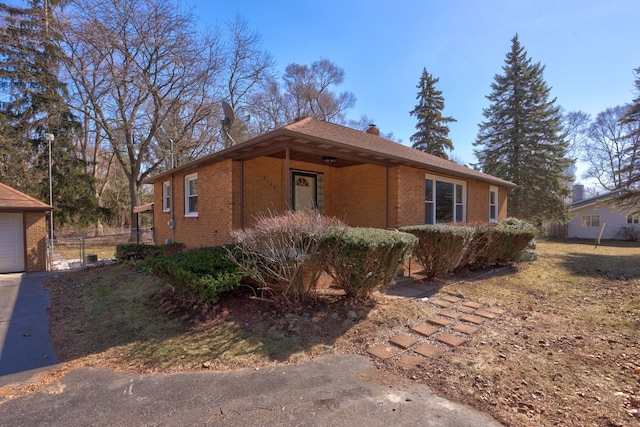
(11, 243)
(23, 232)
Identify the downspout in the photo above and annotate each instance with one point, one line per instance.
(242, 194)
(172, 221)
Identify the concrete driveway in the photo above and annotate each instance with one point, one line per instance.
(25, 344)
(331, 391)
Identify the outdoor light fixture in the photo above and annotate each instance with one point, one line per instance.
(329, 159)
(49, 137)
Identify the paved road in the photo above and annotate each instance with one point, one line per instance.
(331, 391)
(25, 344)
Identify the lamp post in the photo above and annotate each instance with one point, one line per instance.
(49, 137)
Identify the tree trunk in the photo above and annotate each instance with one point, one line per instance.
(133, 194)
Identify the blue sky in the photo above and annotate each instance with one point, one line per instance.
(589, 49)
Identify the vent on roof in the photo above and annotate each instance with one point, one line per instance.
(373, 130)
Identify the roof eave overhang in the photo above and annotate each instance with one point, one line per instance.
(18, 209)
(277, 140)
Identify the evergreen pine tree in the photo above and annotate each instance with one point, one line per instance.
(522, 140)
(35, 104)
(432, 135)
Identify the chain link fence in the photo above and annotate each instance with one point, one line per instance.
(74, 252)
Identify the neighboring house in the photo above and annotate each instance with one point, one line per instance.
(589, 215)
(359, 177)
(23, 232)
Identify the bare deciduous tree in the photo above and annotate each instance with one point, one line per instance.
(609, 149)
(247, 65)
(143, 75)
(308, 92)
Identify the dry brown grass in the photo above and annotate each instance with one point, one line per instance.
(567, 352)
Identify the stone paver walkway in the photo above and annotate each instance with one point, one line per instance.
(452, 325)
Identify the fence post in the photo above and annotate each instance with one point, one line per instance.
(82, 251)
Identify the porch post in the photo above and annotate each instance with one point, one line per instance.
(287, 178)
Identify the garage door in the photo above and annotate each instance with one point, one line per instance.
(11, 243)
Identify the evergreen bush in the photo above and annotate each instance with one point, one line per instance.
(137, 251)
(440, 248)
(361, 259)
(202, 273)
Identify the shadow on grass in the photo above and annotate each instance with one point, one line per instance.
(608, 267)
(610, 243)
(115, 315)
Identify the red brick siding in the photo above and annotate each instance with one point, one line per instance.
(410, 204)
(35, 244)
(362, 196)
(478, 202)
(357, 194)
(215, 208)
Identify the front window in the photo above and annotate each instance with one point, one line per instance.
(633, 219)
(166, 196)
(444, 200)
(191, 195)
(591, 220)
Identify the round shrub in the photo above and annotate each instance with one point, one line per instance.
(361, 259)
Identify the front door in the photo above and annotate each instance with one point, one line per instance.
(305, 190)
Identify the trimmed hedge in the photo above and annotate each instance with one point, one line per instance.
(506, 244)
(440, 248)
(202, 273)
(361, 259)
(496, 245)
(137, 251)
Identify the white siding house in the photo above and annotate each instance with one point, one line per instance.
(588, 216)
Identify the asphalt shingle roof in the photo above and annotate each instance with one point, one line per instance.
(333, 138)
(12, 199)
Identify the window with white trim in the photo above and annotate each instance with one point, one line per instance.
(191, 195)
(166, 196)
(493, 204)
(591, 220)
(633, 220)
(445, 200)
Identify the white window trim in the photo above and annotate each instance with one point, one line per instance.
(166, 196)
(493, 189)
(187, 180)
(589, 222)
(455, 182)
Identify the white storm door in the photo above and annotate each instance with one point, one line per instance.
(305, 191)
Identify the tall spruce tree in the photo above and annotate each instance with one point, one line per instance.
(34, 104)
(629, 201)
(432, 135)
(522, 140)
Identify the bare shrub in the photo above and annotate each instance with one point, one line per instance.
(283, 252)
(631, 234)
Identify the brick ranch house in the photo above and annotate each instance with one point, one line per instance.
(359, 177)
(23, 232)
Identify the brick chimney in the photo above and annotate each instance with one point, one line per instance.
(578, 192)
(373, 130)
